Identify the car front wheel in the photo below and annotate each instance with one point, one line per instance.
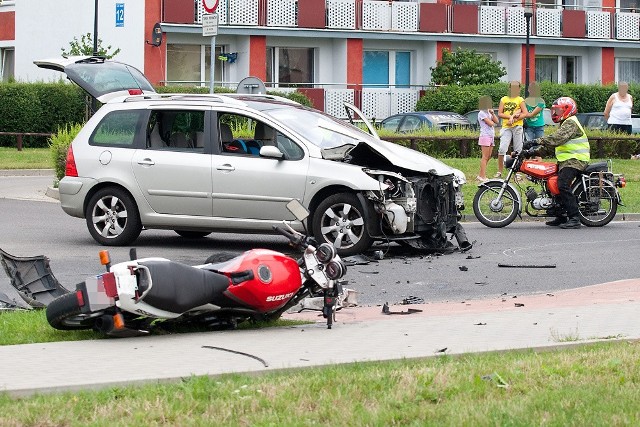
(112, 217)
(340, 221)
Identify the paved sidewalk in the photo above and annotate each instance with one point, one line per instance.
(608, 311)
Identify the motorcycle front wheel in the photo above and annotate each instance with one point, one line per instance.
(494, 212)
(64, 313)
(598, 204)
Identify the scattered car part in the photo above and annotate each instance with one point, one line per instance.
(32, 278)
(387, 310)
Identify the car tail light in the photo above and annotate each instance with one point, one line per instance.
(70, 169)
(135, 91)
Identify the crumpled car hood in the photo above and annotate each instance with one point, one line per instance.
(397, 155)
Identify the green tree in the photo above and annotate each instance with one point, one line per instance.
(84, 47)
(466, 67)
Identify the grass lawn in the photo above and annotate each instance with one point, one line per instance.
(596, 384)
(28, 158)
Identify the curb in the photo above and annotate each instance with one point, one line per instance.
(54, 193)
(27, 172)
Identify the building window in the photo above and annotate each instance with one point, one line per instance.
(628, 70)
(290, 67)
(557, 69)
(7, 64)
(386, 68)
(190, 64)
(629, 6)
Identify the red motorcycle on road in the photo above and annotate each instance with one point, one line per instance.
(498, 202)
(133, 296)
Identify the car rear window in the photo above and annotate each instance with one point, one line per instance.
(117, 129)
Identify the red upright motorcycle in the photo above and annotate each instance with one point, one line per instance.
(260, 284)
(498, 202)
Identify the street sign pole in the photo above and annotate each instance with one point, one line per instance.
(213, 63)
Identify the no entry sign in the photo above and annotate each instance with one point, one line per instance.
(210, 5)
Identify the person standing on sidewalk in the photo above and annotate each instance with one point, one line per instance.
(512, 111)
(572, 151)
(534, 122)
(618, 109)
(487, 120)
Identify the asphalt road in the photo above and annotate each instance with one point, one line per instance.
(580, 257)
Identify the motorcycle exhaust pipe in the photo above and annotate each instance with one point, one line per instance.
(461, 238)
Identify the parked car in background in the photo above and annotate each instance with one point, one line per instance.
(597, 121)
(411, 122)
(472, 116)
(230, 163)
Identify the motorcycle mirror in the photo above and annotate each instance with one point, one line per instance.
(297, 209)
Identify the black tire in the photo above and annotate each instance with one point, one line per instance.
(340, 221)
(192, 234)
(64, 313)
(492, 212)
(112, 217)
(599, 207)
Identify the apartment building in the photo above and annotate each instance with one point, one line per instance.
(374, 53)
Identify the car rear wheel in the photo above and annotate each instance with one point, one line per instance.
(340, 221)
(112, 217)
(192, 234)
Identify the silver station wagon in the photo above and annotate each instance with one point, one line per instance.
(198, 164)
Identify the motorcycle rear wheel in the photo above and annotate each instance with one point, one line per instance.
(598, 205)
(492, 212)
(64, 313)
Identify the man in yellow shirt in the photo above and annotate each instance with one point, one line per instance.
(512, 111)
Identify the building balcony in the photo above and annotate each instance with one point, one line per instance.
(463, 17)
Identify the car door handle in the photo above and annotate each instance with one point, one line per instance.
(225, 167)
(146, 162)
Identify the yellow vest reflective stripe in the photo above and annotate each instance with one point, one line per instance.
(576, 148)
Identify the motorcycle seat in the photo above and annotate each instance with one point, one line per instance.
(178, 287)
(596, 167)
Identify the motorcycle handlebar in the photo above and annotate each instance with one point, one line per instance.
(293, 237)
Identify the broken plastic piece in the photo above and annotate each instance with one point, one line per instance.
(386, 310)
(527, 265)
(7, 303)
(32, 278)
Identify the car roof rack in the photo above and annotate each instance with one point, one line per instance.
(176, 96)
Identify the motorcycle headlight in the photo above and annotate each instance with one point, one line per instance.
(335, 270)
(325, 253)
(462, 179)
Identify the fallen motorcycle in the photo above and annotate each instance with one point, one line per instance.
(498, 202)
(260, 284)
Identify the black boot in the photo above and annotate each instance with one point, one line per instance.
(572, 222)
(556, 222)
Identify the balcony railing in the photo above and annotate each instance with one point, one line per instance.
(413, 16)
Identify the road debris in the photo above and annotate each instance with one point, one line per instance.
(386, 310)
(463, 268)
(497, 379)
(527, 265)
(519, 304)
(413, 300)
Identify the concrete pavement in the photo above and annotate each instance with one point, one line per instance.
(600, 312)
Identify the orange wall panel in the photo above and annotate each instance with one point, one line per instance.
(7, 26)
(258, 57)
(439, 46)
(355, 51)
(532, 63)
(154, 56)
(608, 65)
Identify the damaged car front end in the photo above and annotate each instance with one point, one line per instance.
(418, 200)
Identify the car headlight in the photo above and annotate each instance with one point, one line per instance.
(461, 178)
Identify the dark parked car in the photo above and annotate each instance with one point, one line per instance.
(472, 116)
(411, 122)
(597, 121)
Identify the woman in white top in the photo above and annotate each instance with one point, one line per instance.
(618, 109)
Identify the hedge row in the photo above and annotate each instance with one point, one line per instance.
(47, 107)
(462, 99)
(40, 108)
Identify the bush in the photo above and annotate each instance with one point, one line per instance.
(462, 99)
(40, 108)
(59, 145)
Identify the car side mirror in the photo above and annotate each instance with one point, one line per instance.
(271, 151)
(297, 209)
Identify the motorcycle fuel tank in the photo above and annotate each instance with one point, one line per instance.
(540, 170)
(274, 280)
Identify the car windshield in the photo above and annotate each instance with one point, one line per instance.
(321, 129)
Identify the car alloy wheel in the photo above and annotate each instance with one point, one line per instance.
(340, 221)
(112, 217)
